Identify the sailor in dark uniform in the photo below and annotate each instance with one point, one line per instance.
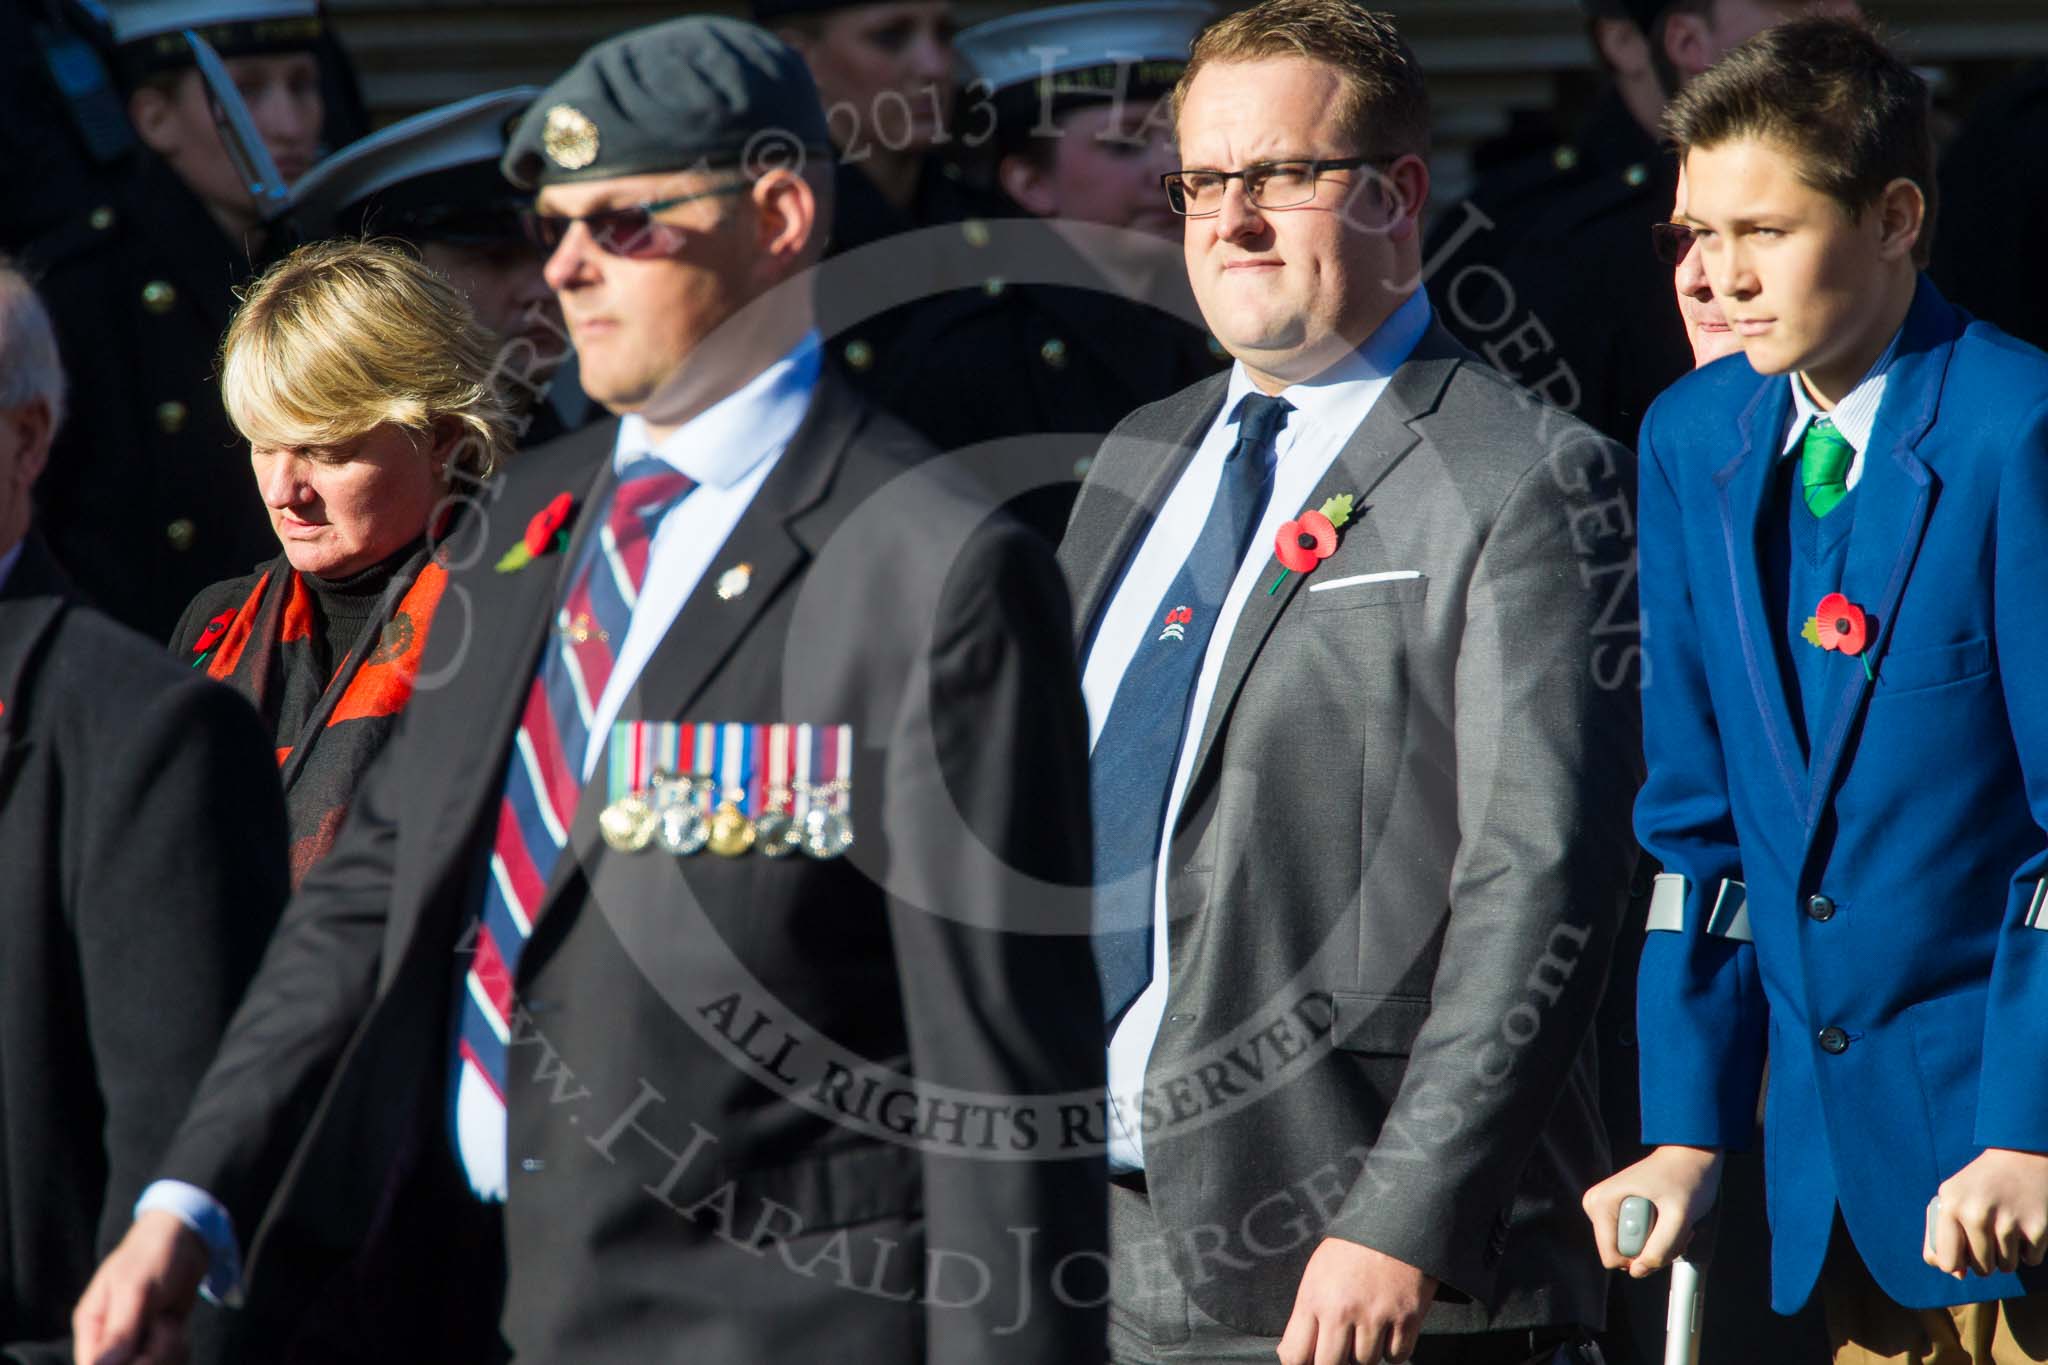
(433, 180)
(149, 497)
(1564, 294)
(1546, 270)
(1619, 132)
(62, 128)
(904, 216)
(1078, 307)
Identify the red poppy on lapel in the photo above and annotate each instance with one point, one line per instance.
(544, 534)
(215, 628)
(1305, 542)
(1839, 625)
(1309, 539)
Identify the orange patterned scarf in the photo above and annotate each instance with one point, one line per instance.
(328, 730)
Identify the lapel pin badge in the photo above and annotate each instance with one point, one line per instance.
(735, 581)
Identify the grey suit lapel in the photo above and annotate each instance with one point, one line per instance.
(1385, 436)
(1122, 498)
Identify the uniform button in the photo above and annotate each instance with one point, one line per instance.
(159, 297)
(181, 533)
(101, 218)
(975, 231)
(1054, 353)
(1636, 175)
(1833, 1041)
(170, 417)
(1564, 158)
(1820, 908)
(860, 356)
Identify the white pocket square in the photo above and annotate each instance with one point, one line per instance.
(1391, 576)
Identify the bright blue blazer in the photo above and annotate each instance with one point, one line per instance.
(1906, 1009)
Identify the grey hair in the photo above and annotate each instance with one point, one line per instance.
(29, 365)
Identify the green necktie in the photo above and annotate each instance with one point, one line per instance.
(1824, 457)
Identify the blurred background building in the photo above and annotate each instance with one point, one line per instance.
(1507, 76)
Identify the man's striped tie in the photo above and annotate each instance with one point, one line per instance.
(542, 784)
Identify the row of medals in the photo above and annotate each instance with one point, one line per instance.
(670, 816)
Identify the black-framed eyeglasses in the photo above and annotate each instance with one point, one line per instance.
(631, 231)
(1267, 184)
(1671, 242)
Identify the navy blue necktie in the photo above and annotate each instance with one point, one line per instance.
(1138, 750)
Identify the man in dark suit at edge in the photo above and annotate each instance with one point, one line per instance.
(142, 850)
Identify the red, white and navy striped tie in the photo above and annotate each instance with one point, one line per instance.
(543, 782)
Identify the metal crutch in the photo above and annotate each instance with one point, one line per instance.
(1688, 1289)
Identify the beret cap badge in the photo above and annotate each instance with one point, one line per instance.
(570, 138)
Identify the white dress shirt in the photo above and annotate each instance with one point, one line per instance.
(1854, 416)
(1327, 411)
(729, 450)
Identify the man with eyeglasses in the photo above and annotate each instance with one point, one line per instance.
(697, 974)
(1361, 801)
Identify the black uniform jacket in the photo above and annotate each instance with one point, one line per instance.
(705, 1158)
(149, 496)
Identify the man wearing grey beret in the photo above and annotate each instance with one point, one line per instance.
(703, 972)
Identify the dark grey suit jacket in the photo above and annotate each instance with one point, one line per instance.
(1403, 854)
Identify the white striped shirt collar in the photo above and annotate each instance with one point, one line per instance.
(722, 444)
(1855, 415)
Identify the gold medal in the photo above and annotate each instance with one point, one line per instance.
(732, 833)
(627, 823)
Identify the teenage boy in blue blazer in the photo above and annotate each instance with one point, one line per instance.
(1844, 557)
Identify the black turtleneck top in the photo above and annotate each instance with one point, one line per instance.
(347, 604)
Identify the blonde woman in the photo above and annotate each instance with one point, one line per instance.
(363, 384)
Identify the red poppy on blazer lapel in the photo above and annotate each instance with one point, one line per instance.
(544, 534)
(1839, 626)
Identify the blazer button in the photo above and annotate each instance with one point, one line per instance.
(1833, 1041)
(1820, 908)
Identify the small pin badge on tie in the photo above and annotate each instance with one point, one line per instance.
(735, 581)
(1177, 624)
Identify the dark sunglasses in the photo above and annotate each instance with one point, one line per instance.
(630, 232)
(1671, 242)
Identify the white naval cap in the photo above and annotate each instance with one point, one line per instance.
(149, 35)
(1077, 50)
(441, 164)
(133, 20)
